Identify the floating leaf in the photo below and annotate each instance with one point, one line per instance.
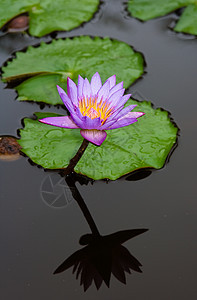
(48, 16)
(143, 144)
(188, 20)
(149, 9)
(50, 64)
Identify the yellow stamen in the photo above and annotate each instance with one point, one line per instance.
(91, 108)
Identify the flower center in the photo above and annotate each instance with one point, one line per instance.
(91, 108)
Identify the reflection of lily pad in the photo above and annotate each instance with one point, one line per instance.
(149, 9)
(143, 144)
(47, 16)
(50, 64)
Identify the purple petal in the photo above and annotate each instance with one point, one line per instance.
(87, 91)
(120, 106)
(118, 110)
(65, 122)
(96, 137)
(107, 124)
(72, 91)
(117, 114)
(80, 87)
(89, 123)
(114, 114)
(116, 97)
(122, 123)
(123, 100)
(66, 100)
(112, 81)
(124, 111)
(134, 114)
(96, 83)
(77, 118)
(128, 119)
(111, 120)
(104, 92)
(116, 88)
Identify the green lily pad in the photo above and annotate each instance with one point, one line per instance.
(48, 16)
(188, 20)
(143, 144)
(50, 64)
(149, 9)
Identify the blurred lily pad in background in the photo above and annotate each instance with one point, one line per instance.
(48, 16)
(40, 69)
(146, 143)
(149, 9)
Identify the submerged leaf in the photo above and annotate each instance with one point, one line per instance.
(49, 65)
(143, 144)
(48, 16)
(146, 10)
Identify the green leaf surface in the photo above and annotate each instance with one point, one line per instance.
(41, 88)
(188, 20)
(47, 16)
(143, 144)
(51, 64)
(149, 9)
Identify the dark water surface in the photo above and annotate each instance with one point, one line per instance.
(36, 237)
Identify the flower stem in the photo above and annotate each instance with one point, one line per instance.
(76, 158)
(78, 198)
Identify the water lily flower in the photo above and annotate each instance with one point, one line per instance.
(94, 108)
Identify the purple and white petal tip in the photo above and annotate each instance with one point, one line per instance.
(112, 81)
(96, 83)
(94, 107)
(94, 136)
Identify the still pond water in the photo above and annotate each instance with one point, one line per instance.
(36, 236)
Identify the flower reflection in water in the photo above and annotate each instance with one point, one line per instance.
(102, 255)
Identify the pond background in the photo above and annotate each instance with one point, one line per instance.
(36, 238)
